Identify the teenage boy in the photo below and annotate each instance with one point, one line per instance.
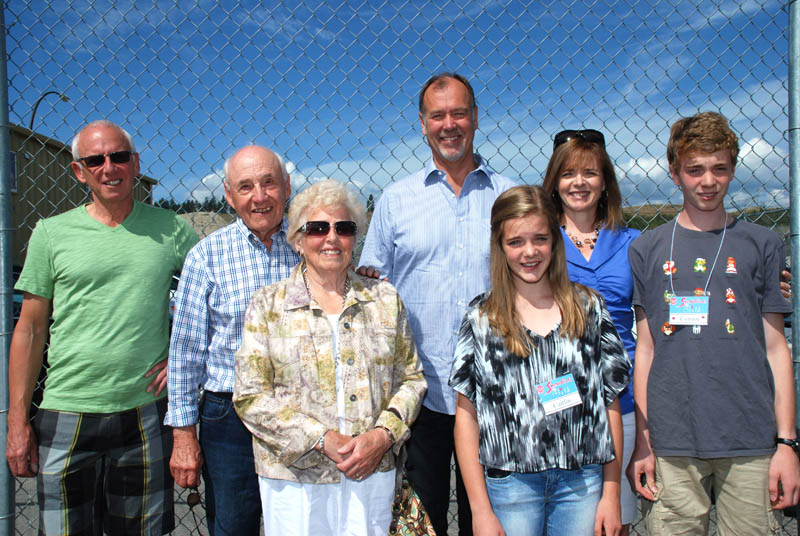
(713, 382)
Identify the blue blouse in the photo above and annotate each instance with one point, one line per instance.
(609, 273)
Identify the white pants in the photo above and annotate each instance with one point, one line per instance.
(628, 499)
(346, 508)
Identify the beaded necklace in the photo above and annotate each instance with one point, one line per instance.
(589, 241)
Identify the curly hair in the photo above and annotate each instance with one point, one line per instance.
(326, 193)
(706, 132)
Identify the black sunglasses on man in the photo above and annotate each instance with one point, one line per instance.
(97, 160)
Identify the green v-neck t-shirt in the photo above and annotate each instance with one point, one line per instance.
(109, 288)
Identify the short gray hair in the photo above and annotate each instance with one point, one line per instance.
(226, 166)
(99, 123)
(325, 193)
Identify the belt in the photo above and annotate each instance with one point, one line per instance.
(491, 472)
(227, 396)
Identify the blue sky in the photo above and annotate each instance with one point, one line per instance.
(334, 89)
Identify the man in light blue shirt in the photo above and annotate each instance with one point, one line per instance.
(430, 236)
(218, 278)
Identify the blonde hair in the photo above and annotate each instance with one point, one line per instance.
(576, 150)
(519, 202)
(326, 193)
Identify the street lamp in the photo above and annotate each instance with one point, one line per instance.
(39, 101)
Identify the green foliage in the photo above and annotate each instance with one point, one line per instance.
(209, 204)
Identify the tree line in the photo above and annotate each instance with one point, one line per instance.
(218, 205)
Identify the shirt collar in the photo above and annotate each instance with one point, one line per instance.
(279, 236)
(297, 296)
(432, 173)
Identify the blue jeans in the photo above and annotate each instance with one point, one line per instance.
(233, 502)
(549, 503)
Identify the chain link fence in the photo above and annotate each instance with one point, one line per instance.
(333, 88)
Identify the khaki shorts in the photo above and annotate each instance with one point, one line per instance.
(684, 499)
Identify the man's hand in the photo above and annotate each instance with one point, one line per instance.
(784, 478)
(24, 364)
(22, 453)
(186, 459)
(786, 284)
(368, 271)
(159, 380)
(363, 453)
(643, 462)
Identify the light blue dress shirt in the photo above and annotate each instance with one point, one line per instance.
(434, 247)
(219, 276)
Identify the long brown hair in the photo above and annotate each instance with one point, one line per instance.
(609, 209)
(519, 202)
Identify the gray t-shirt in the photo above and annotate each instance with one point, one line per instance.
(710, 394)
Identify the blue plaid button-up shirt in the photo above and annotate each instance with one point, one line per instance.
(434, 247)
(219, 276)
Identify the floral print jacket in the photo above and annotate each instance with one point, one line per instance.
(285, 387)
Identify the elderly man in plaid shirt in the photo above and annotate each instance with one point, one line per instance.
(218, 278)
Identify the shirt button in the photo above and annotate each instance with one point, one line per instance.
(350, 361)
(460, 274)
(347, 325)
(353, 398)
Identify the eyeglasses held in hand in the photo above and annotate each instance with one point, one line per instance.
(590, 135)
(322, 228)
(97, 160)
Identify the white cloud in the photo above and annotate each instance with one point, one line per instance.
(208, 186)
(635, 113)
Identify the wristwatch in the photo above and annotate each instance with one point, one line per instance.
(391, 436)
(321, 442)
(795, 444)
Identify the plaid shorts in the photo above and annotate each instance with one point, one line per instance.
(105, 472)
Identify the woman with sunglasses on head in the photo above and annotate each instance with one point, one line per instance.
(538, 368)
(327, 379)
(581, 181)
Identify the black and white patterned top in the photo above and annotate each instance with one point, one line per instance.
(515, 432)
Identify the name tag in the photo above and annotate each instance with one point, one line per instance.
(687, 309)
(558, 394)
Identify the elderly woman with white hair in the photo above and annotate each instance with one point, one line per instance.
(327, 379)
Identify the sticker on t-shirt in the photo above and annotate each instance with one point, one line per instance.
(730, 266)
(669, 267)
(730, 297)
(667, 329)
(729, 326)
(688, 310)
(700, 265)
(558, 394)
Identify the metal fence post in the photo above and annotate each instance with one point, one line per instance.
(794, 167)
(6, 294)
(794, 181)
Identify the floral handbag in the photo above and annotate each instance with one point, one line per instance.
(409, 517)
